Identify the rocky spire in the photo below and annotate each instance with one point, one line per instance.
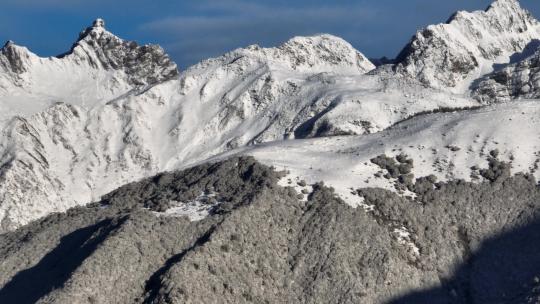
(8, 43)
(98, 23)
(144, 65)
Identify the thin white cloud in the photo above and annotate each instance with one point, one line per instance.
(258, 13)
(221, 26)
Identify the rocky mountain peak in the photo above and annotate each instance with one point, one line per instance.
(505, 5)
(325, 49)
(96, 31)
(13, 58)
(510, 14)
(98, 23)
(452, 53)
(305, 54)
(144, 65)
(8, 43)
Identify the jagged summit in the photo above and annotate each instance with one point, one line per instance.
(13, 58)
(98, 49)
(310, 54)
(96, 29)
(510, 13)
(454, 53)
(330, 49)
(498, 7)
(8, 43)
(504, 4)
(144, 65)
(98, 23)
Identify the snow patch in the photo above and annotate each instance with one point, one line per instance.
(404, 238)
(195, 210)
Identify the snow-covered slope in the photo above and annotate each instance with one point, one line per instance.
(452, 54)
(100, 67)
(109, 112)
(453, 145)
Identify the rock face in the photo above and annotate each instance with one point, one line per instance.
(128, 248)
(13, 58)
(98, 57)
(517, 80)
(143, 65)
(453, 54)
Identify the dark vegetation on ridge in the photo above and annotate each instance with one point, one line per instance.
(124, 249)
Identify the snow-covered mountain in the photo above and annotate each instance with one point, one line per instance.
(100, 67)
(301, 168)
(109, 112)
(452, 54)
(97, 128)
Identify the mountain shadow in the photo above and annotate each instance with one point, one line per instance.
(506, 269)
(57, 266)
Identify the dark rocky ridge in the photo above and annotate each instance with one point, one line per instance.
(263, 245)
(145, 65)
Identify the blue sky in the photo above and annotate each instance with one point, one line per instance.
(194, 30)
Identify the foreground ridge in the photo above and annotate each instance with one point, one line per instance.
(129, 248)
